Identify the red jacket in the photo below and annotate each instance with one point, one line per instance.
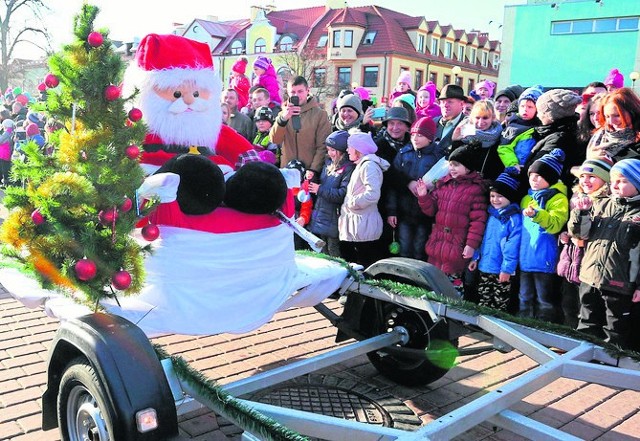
(460, 209)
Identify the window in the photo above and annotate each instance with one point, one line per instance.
(448, 49)
(344, 78)
(472, 56)
(459, 80)
(369, 37)
(485, 58)
(596, 25)
(237, 47)
(319, 77)
(434, 46)
(348, 38)
(336, 38)
(461, 53)
(496, 61)
(260, 46)
(286, 44)
(370, 77)
(470, 85)
(433, 77)
(420, 43)
(446, 79)
(322, 41)
(417, 82)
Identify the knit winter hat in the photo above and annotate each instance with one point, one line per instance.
(467, 155)
(557, 103)
(426, 127)
(511, 92)
(362, 142)
(263, 114)
(262, 62)
(408, 98)
(362, 93)
(615, 79)
(397, 113)
(33, 117)
(532, 93)
(630, 169)
(352, 100)
(431, 88)
(8, 123)
(600, 167)
(487, 84)
(240, 66)
(507, 184)
(549, 166)
(405, 77)
(32, 129)
(338, 140)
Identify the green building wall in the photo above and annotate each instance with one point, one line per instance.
(531, 55)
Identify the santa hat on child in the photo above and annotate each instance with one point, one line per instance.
(170, 60)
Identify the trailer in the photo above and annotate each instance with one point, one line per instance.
(106, 381)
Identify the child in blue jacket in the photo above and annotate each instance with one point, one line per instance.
(545, 211)
(498, 254)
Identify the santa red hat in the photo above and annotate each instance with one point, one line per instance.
(172, 59)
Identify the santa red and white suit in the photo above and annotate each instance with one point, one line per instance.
(180, 101)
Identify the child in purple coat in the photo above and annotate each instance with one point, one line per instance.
(267, 78)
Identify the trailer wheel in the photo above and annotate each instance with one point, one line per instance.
(423, 335)
(83, 412)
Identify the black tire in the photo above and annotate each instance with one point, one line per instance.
(83, 412)
(423, 335)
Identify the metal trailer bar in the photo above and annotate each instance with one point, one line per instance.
(492, 407)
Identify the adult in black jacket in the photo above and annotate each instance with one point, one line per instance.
(557, 113)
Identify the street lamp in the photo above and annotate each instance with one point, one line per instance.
(455, 70)
(634, 76)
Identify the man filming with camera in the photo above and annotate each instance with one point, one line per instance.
(301, 128)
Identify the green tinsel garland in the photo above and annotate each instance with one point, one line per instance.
(224, 404)
(476, 310)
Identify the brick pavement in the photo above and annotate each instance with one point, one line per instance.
(589, 411)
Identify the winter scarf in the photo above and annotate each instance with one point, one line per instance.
(610, 143)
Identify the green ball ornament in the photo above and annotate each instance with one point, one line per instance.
(394, 247)
(17, 90)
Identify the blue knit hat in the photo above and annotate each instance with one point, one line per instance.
(549, 166)
(338, 140)
(532, 93)
(507, 184)
(630, 169)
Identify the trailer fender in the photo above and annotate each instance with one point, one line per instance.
(126, 364)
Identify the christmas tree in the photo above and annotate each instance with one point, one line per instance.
(72, 215)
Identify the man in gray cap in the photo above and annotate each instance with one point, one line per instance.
(452, 102)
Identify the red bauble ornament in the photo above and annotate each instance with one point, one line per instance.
(127, 205)
(111, 92)
(95, 39)
(132, 152)
(135, 114)
(121, 280)
(86, 269)
(150, 232)
(51, 81)
(107, 217)
(42, 87)
(37, 217)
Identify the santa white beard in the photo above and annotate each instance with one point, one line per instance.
(176, 123)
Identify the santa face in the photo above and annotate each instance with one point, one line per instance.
(185, 114)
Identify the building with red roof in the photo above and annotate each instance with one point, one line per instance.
(336, 47)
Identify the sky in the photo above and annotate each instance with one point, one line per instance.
(127, 19)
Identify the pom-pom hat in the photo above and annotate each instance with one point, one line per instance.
(600, 167)
(262, 62)
(556, 104)
(630, 169)
(405, 77)
(507, 184)
(338, 140)
(487, 84)
(240, 66)
(171, 60)
(615, 79)
(426, 127)
(549, 166)
(532, 93)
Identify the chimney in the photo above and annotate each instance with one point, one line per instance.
(213, 18)
(335, 4)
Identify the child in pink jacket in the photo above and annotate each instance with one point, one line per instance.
(267, 78)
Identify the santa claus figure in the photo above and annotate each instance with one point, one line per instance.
(180, 101)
